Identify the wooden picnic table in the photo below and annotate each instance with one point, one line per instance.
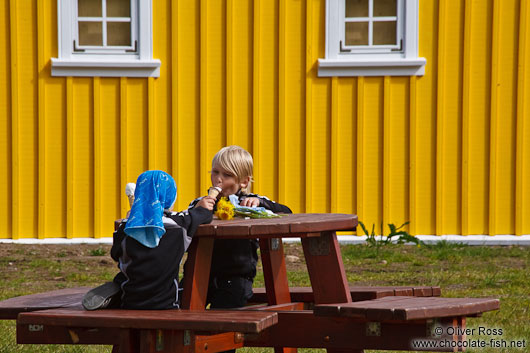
(321, 251)
(336, 322)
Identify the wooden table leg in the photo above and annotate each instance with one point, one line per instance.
(275, 276)
(274, 271)
(459, 324)
(197, 273)
(164, 341)
(129, 342)
(326, 271)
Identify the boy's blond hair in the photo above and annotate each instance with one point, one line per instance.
(237, 161)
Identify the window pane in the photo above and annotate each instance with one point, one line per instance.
(356, 8)
(385, 33)
(118, 8)
(119, 33)
(385, 8)
(356, 33)
(89, 8)
(90, 33)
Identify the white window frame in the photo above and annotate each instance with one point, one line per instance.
(134, 61)
(372, 61)
(370, 19)
(103, 19)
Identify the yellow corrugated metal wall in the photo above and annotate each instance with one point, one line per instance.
(449, 151)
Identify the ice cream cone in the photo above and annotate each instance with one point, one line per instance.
(129, 191)
(214, 191)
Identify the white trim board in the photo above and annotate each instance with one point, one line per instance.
(523, 240)
(488, 240)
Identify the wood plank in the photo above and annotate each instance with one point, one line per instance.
(234, 227)
(274, 271)
(282, 307)
(368, 293)
(449, 307)
(265, 227)
(409, 308)
(358, 293)
(197, 274)
(62, 298)
(317, 223)
(208, 321)
(285, 225)
(436, 291)
(163, 341)
(304, 330)
(326, 269)
(65, 335)
(422, 292)
(405, 292)
(218, 343)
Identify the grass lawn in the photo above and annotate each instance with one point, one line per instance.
(461, 271)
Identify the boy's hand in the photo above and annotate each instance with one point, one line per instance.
(250, 202)
(207, 202)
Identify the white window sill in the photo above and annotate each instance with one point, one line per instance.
(377, 67)
(106, 68)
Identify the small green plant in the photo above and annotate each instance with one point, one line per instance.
(98, 252)
(395, 236)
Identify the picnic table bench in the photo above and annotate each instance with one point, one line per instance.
(338, 317)
(71, 297)
(143, 330)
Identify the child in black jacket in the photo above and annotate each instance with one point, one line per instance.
(150, 244)
(233, 266)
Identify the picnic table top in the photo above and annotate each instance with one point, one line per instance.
(293, 225)
(287, 225)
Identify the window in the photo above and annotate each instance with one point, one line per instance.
(371, 38)
(105, 38)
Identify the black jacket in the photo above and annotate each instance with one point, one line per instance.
(238, 257)
(149, 276)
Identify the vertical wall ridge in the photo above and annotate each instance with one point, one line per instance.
(335, 143)
(413, 109)
(308, 105)
(151, 125)
(230, 128)
(256, 92)
(124, 153)
(282, 91)
(522, 209)
(70, 158)
(360, 149)
(387, 160)
(14, 121)
(440, 113)
(466, 112)
(6, 128)
(493, 118)
(203, 125)
(174, 93)
(98, 172)
(41, 121)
